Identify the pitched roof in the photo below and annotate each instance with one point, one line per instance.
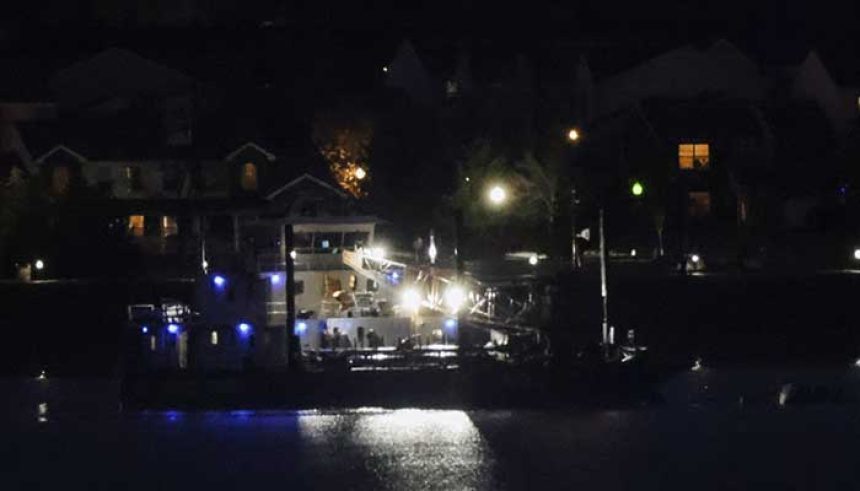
(115, 73)
(306, 177)
(682, 73)
(270, 156)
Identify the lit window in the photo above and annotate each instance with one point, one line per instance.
(693, 155)
(135, 225)
(249, 177)
(169, 227)
(213, 338)
(60, 178)
(699, 203)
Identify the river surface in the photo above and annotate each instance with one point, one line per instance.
(662, 447)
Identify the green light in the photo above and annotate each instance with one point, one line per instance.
(637, 189)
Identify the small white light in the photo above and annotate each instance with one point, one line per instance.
(697, 365)
(42, 375)
(857, 254)
(695, 258)
(385, 69)
(632, 252)
(40, 265)
(42, 409)
(360, 173)
(533, 259)
(205, 264)
(293, 255)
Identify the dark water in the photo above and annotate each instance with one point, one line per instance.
(668, 447)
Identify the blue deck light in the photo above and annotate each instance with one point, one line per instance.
(300, 328)
(144, 329)
(219, 281)
(275, 279)
(172, 328)
(450, 323)
(244, 328)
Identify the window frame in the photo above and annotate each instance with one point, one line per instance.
(699, 151)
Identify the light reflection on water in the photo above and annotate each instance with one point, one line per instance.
(388, 448)
(404, 448)
(374, 448)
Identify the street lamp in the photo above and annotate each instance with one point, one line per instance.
(573, 135)
(497, 195)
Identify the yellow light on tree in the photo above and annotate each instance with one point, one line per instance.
(344, 142)
(637, 189)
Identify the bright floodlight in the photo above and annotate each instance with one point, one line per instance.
(857, 254)
(573, 135)
(632, 252)
(695, 258)
(360, 173)
(40, 265)
(432, 252)
(533, 259)
(497, 195)
(377, 252)
(411, 300)
(455, 297)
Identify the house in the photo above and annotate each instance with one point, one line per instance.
(724, 145)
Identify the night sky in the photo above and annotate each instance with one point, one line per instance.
(302, 37)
